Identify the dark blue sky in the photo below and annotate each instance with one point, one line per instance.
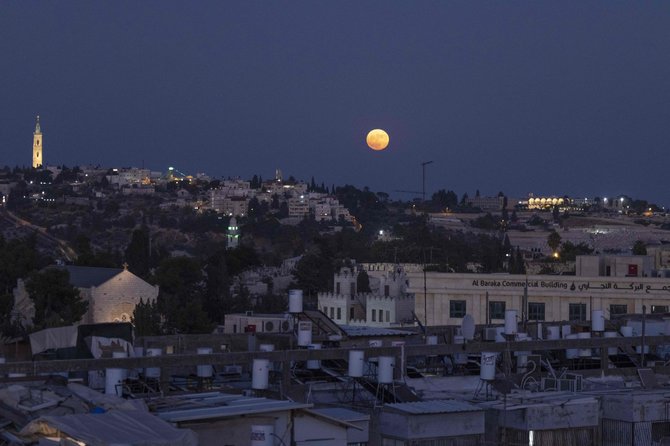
(545, 96)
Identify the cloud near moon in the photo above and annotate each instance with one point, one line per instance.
(377, 139)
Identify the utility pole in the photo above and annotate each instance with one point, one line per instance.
(423, 179)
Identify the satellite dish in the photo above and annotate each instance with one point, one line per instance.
(468, 327)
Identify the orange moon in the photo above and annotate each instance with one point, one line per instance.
(377, 139)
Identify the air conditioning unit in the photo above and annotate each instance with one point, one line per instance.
(490, 334)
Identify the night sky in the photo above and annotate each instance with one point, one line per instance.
(549, 97)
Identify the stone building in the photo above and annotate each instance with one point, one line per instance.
(387, 304)
(111, 293)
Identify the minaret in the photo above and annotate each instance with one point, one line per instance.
(233, 234)
(37, 145)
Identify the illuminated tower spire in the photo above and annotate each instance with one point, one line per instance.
(37, 145)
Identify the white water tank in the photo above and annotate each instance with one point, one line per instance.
(205, 371)
(262, 435)
(431, 340)
(565, 331)
(385, 366)
(153, 372)
(313, 364)
(356, 363)
(500, 334)
(266, 347)
(114, 377)
(295, 301)
(611, 334)
(510, 322)
(304, 333)
(487, 371)
(584, 352)
(571, 353)
(260, 374)
(553, 332)
(597, 320)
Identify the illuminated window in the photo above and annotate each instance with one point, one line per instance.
(656, 309)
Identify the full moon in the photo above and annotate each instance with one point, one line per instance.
(377, 139)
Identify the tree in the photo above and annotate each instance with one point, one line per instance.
(217, 288)
(138, 254)
(570, 251)
(147, 319)
(555, 213)
(181, 294)
(640, 248)
(554, 240)
(363, 282)
(57, 302)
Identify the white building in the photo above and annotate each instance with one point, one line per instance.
(450, 296)
(111, 293)
(388, 303)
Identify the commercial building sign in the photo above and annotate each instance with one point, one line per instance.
(573, 285)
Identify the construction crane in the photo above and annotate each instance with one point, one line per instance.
(423, 182)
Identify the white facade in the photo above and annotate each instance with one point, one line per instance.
(615, 266)
(550, 298)
(388, 303)
(112, 299)
(298, 206)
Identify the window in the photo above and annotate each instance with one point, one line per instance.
(352, 288)
(577, 312)
(496, 310)
(374, 315)
(339, 313)
(456, 308)
(337, 287)
(332, 312)
(351, 313)
(659, 309)
(608, 270)
(616, 309)
(388, 316)
(536, 311)
(386, 291)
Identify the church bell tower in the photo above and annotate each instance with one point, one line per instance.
(38, 154)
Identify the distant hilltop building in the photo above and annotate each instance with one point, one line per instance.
(38, 152)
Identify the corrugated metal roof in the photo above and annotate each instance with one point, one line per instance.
(214, 405)
(341, 413)
(436, 406)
